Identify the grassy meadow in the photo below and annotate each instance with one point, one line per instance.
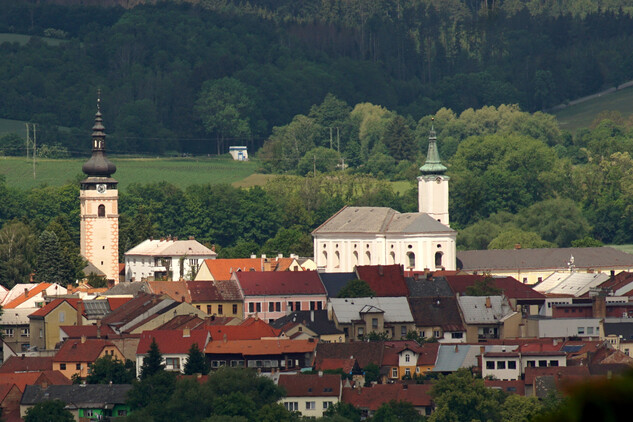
(23, 39)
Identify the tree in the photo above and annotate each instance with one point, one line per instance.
(518, 408)
(345, 410)
(509, 239)
(49, 411)
(372, 373)
(196, 362)
(483, 287)
(397, 411)
(320, 159)
(356, 288)
(106, 370)
(49, 260)
(152, 362)
(288, 241)
(399, 140)
(17, 253)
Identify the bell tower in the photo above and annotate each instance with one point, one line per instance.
(98, 197)
(433, 184)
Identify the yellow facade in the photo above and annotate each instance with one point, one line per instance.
(233, 309)
(80, 367)
(45, 332)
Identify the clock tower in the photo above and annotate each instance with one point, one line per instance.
(433, 184)
(98, 197)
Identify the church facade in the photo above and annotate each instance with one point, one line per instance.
(99, 214)
(383, 236)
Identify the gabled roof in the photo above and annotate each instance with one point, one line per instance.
(334, 282)
(249, 329)
(379, 220)
(384, 280)
(89, 331)
(510, 286)
(76, 350)
(427, 353)
(24, 379)
(451, 357)
(14, 300)
(132, 309)
(346, 365)
(214, 291)
(173, 342)
(180, 322)
(46, 309)
(176, 290)
(5, 389)
(568, 373)
(396, 308)
(132, 288)
(115, 302)
(573, 284)
(420, 286)
(222, 269)
(260, 347)
(310, 385)
(436, 311)
(546, 258)
(475, 309)
(316, 321)
(27, 364)
(364, 353)
(373, 397)
(78, 396)
(16, 316)
(169, 247)
(280, 283)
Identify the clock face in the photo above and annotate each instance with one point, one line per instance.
(101, 188)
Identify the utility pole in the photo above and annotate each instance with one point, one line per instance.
(314, 165)
(28, 140)
(338, 140)
(34, 147)
(330, 138)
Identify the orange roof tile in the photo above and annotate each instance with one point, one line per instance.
(311, 385)
(176, 290)
(172, 341)
(22, 379)
(115, 302)
(45, 310)
(260, 347)
(74, 350)
(249, 329)
(30, 294)
(27, 364)
(374, 397)
(222, 269)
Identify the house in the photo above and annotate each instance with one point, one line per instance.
(408, 359)
(31, 295)
(223, 269)
(85, 402)
(560, 328)
(271, 295)
(76, 355)
(369, 399)
(384, 280)
(219, 298)
(15, 329)
(310, 394)
(174, 346)
(531, 266)
(383, 236)
(540, 382)
(359, 317)
(348, 356)
(334, 282)
(570, 284)
(239, 153)
(248, 329)
(511, 365)
(488, 317)
(10, 396)
(309, 324)
(27, 364)
(126, 343)
(265, 355)
(438, 318)
(165, 259)
(45, 322)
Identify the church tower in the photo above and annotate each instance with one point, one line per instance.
(98, 196)
(433, 184)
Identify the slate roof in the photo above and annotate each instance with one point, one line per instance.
(76, 350)
(396, 309)
(624, 329)
(373, 397)
(280, 283)
(510, 286)
(436, 311)
(621, 284)
(379, 220)
(334, 282)
(173, 342)
(310, 385)
(260, 347)
(132, 309)
(474, 309)
(546, 258)
(451, 357)
(384, 280)
(78, 396)
(420, 286)
(170, 247)
(133, 288)
(316, 321)
(364, 353)
(27, 364)
(214, 291)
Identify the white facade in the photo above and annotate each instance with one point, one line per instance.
(433, 196)
(239, 153)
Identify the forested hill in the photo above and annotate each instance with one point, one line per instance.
(156, 64)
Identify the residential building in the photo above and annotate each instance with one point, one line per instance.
(384, 280)
(310, 394)
(271, 295)
(488, 317)
(408, 359)
(570, 284)
(46, 321)
(31, 295)
(165, 259)
(438, 318)
(248, 329)
(239, 153)
(174, 346)
(219, 298)
(511, 365)
(76, 355)
(368, 400)
(15, 329)
(309, 324)
(589, 328)
(334, 282)
(383, 236)
(10, 396)
(223, 269)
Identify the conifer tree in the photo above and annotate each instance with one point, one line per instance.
(49, 268)
(196, 362)
(153, 362)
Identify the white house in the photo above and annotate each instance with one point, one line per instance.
(383, 236)
(171, 259)
(239, 153)
(310, 394)
(173, 345)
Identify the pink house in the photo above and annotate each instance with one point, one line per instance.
(271, 295)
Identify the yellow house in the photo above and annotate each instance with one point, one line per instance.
(219, 298)
(76, 355)
(45, 322)
(407, 359)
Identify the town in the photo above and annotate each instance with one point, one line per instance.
(384, 310)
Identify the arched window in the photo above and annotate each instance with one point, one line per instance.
(355, 255)
(392, 258)
(368, 258)
(101, 211)
(438, 259)
(337, 259)
(411, 257)
(324, 259)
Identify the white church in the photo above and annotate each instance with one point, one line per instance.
(383, 236)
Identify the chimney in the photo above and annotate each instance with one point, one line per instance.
(186, 333)
(99, 328)
(83, 339)
(280, 255)
(175, 237)
(320, 373)
(253, 256)
(80, 312)
(429, 276)
(26, 292)
(488, 303)
(482, 350)
(191, 238)
(599, 306)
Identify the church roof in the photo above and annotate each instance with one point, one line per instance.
(98, 165)
(433, 164)
(380, 220)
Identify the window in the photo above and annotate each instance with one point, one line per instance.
(234, 309)
(355, 255)
(291, 406)
(88, 413)
(437, 334)
(312, 305)
(101, 210)
(361, 332)
(590, 330)
(337, 259)
(41, 333)
(172, 363)
(8, 332)
(438, 259)
(368, 258)
(324, 258)
(198, 307)
(403, 331)
(271, 307)
(490, 364)
(25, 332)
(411, 259)
(327, 404)
(62, 366)
(407, 372)
(374, 323)
(531, 363)
(542, 363)
(258, 306)
(555, 362)
(392, 257)
(394, 372)
(220, 309)
(277, 306)
(251, 307)
(62, 316)
(407, 357)
(310, 405)
(209, 309)
(581, 331)
(219, 363)
(78, 366)
(501, 364)
(512, 365)
(121, 412)
(319, 305)
(457, 335)
(297, 306)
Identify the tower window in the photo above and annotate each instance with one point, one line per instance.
(101, 210)
(411, 257)
(438, 259)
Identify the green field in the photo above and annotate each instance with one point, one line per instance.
(582, 115)
(178, 171)
(22, 39)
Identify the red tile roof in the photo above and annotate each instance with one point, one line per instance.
(260, 347)
(180, 322)
(131, 309)
(384, 280)
(280, 283)
(90, 331)
(566, 373)
(176, 290)
(310, 385)
(26, 364)
(45, 310)
(23, 379)
(333, 363)
(214, 291)
(512, 288)
(512, 387)
(222, 269)
(249, 329)
(30, 294)
(176, 342)
(74, 350)
(115, 302)
(427, 353)
(364, 353)
(373, 397)
(5, 388)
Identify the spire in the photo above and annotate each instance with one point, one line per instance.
(98, 165)
(433, 165)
